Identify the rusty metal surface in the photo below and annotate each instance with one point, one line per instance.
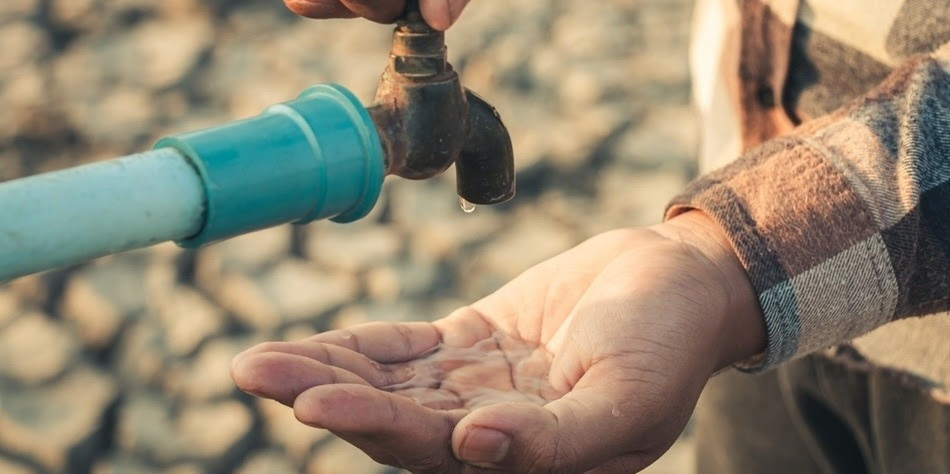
(427, 121)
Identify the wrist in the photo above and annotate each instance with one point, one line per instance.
(741, 327)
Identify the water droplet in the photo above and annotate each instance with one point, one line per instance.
(466, 206)
(615, 411)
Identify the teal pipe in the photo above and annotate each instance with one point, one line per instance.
(318, 156)
(54, 219)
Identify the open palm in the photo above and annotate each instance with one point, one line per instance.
(592, 359)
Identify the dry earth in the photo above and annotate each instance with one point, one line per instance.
(120, 366)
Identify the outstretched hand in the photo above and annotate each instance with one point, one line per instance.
(439, 14)
(592, 359)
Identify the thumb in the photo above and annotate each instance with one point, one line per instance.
(591, 425)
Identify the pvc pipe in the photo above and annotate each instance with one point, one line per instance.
(55, 219)
(317, 156)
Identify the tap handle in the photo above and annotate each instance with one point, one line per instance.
(412, 9)
(412, 18)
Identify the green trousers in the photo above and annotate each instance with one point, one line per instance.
(827, 413)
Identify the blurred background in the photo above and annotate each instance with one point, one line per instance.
(121, 365)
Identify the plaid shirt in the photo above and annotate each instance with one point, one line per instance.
(839, 206)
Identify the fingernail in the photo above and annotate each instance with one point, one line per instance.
(484, 446)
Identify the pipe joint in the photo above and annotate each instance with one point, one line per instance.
(315, 157)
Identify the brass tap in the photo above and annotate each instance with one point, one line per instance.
(427, 121)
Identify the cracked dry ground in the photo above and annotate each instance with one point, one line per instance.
(121, 365)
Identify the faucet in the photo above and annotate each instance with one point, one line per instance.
(320, 156)
(427, 121)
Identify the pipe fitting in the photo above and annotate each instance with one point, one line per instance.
(314, 157)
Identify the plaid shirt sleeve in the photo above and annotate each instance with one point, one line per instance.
(844, 224)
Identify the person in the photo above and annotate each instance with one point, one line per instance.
(834, 221)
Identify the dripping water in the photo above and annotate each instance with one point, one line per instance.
(466, 206)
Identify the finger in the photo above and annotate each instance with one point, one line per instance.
(319, 8)
(464, 327)
(441, 14)
(592, 424)
(335, 356)
(377, 422)
(381, 11)
(385, 342)
(282, 377)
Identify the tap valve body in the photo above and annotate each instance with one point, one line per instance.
(427, 121)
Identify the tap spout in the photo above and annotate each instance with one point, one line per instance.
(485, 168)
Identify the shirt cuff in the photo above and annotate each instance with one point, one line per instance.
(806, 240)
